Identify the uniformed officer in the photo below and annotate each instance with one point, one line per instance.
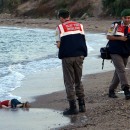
(71, 42)
(119, 48)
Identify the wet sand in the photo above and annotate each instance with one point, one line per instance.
(102, 112)
(32, 119)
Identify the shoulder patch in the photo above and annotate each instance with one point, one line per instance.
(111, 28)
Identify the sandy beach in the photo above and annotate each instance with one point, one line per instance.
(102, 112)
(91, 24)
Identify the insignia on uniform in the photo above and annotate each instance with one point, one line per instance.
(111, 28)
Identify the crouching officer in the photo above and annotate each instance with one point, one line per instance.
(119, 48)
(71, 42)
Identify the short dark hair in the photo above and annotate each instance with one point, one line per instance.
(63, 13)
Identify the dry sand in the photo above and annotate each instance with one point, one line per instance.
(102, 112)
(90, 24)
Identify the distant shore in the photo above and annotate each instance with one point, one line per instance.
(91, 24)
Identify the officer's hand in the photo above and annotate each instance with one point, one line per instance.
(123, 38)
(58, 44)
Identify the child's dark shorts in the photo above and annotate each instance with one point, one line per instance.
(14, 103)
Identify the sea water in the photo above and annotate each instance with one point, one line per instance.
(27, 50)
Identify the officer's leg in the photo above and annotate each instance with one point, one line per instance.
(68, 73)
(120, 68)
(120, 64)
(113, 86)
(78, 66)
(115, 82)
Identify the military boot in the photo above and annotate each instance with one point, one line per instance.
(81, 103)
(125, 88)
(72, 110)
(112, 94)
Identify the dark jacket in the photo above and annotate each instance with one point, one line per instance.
(120, 47)
(72, 44)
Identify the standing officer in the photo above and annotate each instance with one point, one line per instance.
(71, 42)
(119, 48)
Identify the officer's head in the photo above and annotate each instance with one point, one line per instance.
(63, 14)
(125, 14)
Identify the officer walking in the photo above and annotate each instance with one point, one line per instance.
(71, 42)
(119, 48)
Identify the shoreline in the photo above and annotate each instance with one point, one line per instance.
(39, 82)
(102, 112)
(59, 94)
(91, 24)
(56, 100)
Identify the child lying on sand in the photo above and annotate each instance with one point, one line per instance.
(13, 103)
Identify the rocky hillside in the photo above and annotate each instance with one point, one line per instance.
(49, 8)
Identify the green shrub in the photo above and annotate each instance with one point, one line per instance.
(9, 5)
(114, 7)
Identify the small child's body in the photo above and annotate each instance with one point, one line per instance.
(13, 103)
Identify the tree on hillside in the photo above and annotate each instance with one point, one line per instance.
(114, 7)
(9, 5)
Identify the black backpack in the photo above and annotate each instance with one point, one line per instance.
(104, 51)
(105, 55)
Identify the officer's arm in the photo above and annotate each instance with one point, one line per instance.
(121, 38)
(111, 33)
(58, 44)
(57, 37)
